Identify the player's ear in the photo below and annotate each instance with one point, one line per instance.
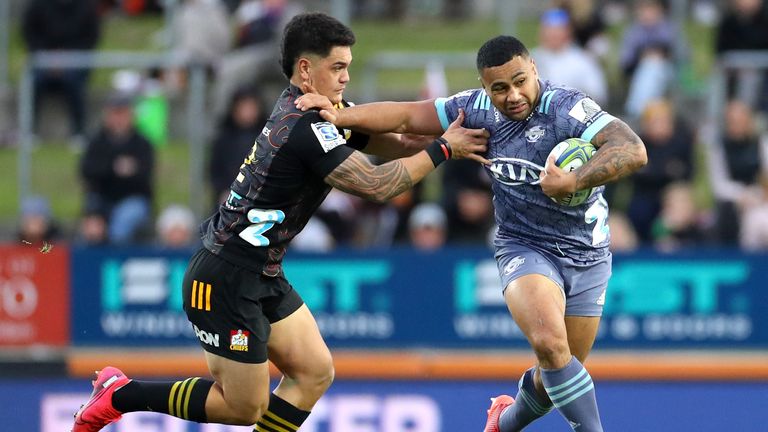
(304, 66)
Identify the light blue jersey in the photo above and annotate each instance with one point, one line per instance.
(518, 151)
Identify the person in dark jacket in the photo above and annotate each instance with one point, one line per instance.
(234, 139)
(117, 170)
(62, 25)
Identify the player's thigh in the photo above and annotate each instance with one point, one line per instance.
(537, 304)
(582, 331)
(244, 385)
(296, 347)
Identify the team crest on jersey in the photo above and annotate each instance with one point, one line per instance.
(585, 110)
(514, 171)
(327, 135)
(534, 134)
(238, 340)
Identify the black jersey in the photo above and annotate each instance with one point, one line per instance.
(279, 186)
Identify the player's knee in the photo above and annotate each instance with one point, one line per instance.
(322, 374)
(549, 347)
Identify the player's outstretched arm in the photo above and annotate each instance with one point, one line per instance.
(378, 117)
(379, 183)
(620, 153)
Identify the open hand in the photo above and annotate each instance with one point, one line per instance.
(467, 143)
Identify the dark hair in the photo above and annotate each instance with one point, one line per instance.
(313, 33)
(499, 50)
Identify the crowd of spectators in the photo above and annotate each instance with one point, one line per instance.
(663, 206)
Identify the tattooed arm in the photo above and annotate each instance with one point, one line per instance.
(379, 183)
(620, 153)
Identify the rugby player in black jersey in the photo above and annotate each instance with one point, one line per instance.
(243, 310)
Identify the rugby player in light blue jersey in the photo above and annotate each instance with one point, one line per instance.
(553, 260)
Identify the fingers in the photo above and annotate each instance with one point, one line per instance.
(459, 120)
(477, 158)
(306, 87)
(327, 116)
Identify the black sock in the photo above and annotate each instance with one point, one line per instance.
(182, 399)
(280, 416)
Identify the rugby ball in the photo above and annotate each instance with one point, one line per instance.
(569, 156)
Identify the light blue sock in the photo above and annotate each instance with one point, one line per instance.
(573, 393)
(529, 405)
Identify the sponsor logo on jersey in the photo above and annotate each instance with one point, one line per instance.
(266, 131)
(534, 134)
(585, 110)
(206, 338)
(238, 340)
(513, 264)
(514, 172)
(327, 135)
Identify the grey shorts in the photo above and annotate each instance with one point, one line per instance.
(582, 284)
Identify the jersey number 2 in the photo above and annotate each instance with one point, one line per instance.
(262, 221)
(598, 212)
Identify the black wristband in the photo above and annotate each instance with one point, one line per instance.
(439, 151)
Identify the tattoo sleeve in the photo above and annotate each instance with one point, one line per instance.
(620, 153)
(379, 183)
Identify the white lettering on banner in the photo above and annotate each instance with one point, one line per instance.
(402, 412)
(56, 416)
(146, 324)
(18, 297)
(343, 413)
(487, 326)
(370, 413)
(13, 331)
(356, 325)
(145, 280)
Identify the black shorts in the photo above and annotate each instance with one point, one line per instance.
(231, 308)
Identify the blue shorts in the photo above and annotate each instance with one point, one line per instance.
(582, 284)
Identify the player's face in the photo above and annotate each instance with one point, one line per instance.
(513, 87)
(330, 75)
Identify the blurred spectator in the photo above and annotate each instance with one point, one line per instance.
(258, 27)
(623, 236)
(427, 227)
(651, 47)
(177, 227)
(152, 108)
(679, 224)
(36, 223)
(234, 139)
(754, 221)
(669, 144)
(736, 160)
(315, 237)
(92, 230)
(342, 215)
(466, 198)
(61, 25)
(561, 61)
(117, 170)
(745, 27)
(201, 31)
(589, 28)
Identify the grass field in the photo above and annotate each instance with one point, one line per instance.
(54, 166)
